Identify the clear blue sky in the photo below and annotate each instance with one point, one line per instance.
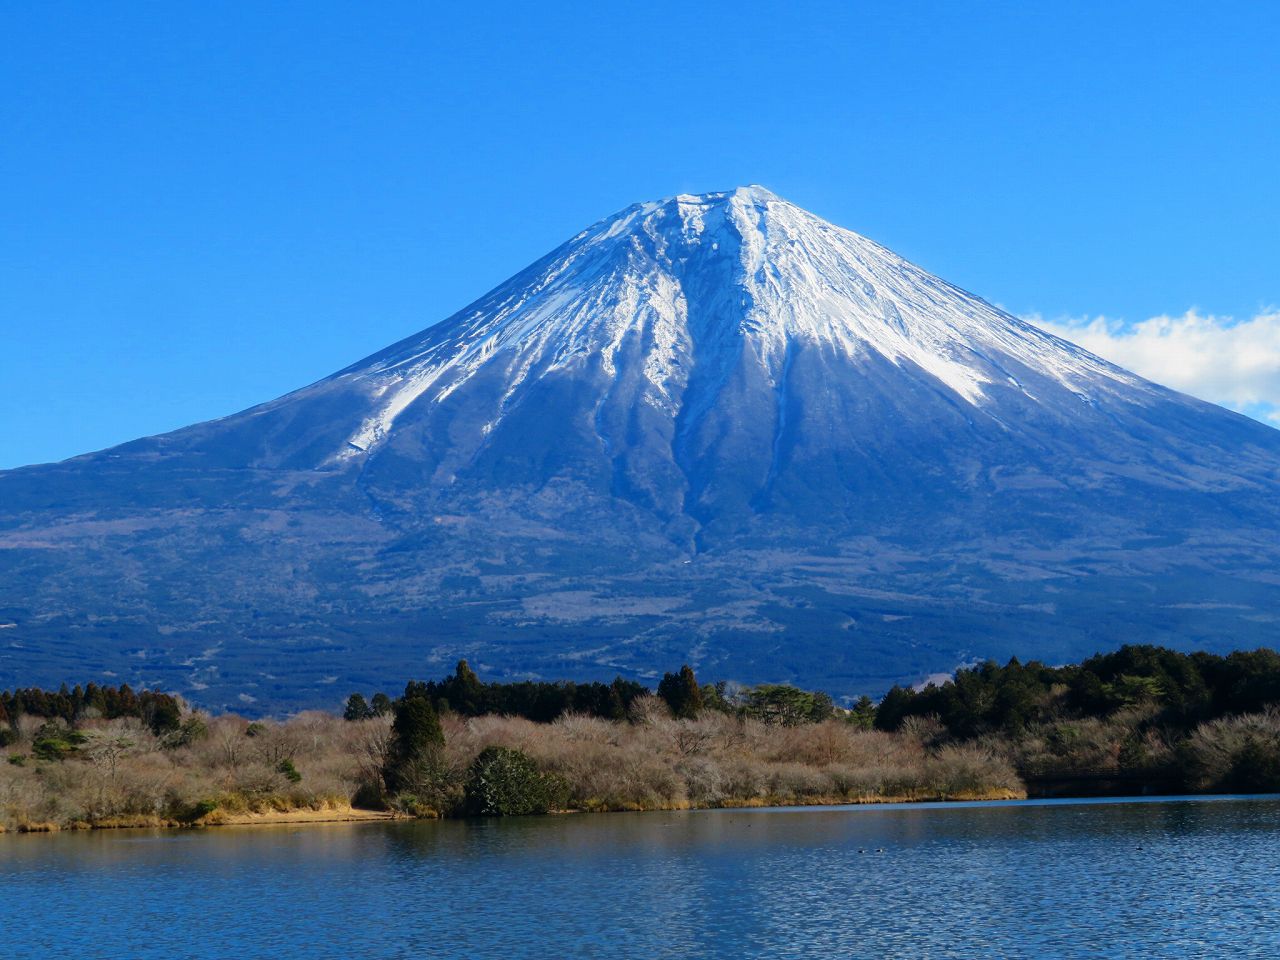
(207, 205)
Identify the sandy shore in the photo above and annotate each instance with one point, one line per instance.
(221, 818)
(340, 815)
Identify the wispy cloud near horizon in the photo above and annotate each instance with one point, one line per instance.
(1235, 363)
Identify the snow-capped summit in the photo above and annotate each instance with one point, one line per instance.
(705, 279)
(712, 429)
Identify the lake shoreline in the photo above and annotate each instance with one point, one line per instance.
(352, 815)
(334, 815)
(300, 817)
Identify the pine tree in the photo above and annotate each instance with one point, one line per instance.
(357, 708)
(863, 714)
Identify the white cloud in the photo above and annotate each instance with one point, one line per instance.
(1219, 359)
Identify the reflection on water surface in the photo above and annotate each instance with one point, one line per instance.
(1170, 878)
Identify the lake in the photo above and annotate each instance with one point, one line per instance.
(1177, 877)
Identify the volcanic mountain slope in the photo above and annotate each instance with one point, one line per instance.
(713, 429)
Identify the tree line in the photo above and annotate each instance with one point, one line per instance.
(1180, 690)
(1140, 709)
(504, 781)
(463, 693)
(1185, 689)
(457, 744)
(161, 712)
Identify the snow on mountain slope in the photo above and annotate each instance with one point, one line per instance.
(742, 264)
(711, 429)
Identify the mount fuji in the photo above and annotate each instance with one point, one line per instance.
(712, 429)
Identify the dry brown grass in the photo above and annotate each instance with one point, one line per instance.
(1235, 752)
(124, 776)
(718, 760)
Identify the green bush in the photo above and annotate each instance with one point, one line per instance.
(191, 812)
(192, 729)
(503, 782)
(55, 741)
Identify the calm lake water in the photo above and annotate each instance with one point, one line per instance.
(1169, 878)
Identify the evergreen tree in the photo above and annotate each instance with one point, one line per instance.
(127, 704)
(160, 712)
(681, 692)
(786, 705)
(94, 699)
(627, 691)
(415, 736)
(357, 708)
(465, 691)
(863, 714)
(893, 708)
(381, 705)
(611, 706)
(715, 697)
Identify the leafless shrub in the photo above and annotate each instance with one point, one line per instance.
(369, 742)
(707, 782)
(926, 731)
(653, 761)
(27, 726)
(690, 738)
(1221, 751)
(226, 745)
(580, 727)
(278, 743)
(965, 771)
(795, 781)
(856, 782)
(647, 710)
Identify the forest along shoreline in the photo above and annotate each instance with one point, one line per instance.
(1140, 720)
